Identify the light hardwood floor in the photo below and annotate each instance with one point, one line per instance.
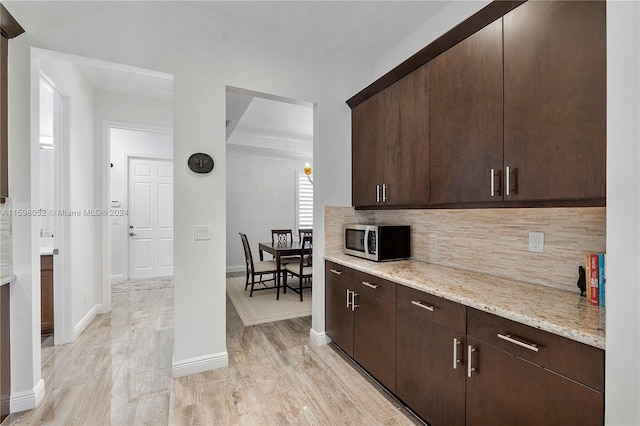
(119, 372)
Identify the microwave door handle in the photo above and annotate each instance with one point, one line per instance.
(366, 241)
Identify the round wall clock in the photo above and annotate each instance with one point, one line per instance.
(200, 162)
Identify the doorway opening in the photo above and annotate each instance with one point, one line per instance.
(269, 145)
(141, 200)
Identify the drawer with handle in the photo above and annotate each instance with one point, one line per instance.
(434, 308)
(540, 347)
(339, 273)
(378, 287)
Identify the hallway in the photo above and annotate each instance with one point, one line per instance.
(118, 372)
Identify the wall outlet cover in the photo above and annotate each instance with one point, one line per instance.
(536, 242)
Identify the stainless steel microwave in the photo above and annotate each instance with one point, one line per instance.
(378, 242)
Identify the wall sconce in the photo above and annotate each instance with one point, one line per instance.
(308, 171)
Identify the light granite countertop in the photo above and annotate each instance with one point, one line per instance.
(557, 311)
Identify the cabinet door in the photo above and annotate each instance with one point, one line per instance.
(406, 140)
(46, 302)
(367, 150)
(338, 315)
(466, 119)
(505, 389)
(555, 100)
(374, 336)
(426, 379)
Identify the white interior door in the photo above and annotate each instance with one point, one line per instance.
(150, 218)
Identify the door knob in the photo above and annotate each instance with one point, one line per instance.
(130, 226)
(131, 234)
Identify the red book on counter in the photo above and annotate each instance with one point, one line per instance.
(593, 279)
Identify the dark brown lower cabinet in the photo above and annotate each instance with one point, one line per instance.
(46, 294)
(505, 389)
(361, 319)
(430, 368)
(374, 328)
(338, 313)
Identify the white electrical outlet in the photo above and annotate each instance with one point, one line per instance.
(536, 242)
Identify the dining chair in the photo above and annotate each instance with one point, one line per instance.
(259, 268)
(284, 236)
(304, 232)
(302, 269)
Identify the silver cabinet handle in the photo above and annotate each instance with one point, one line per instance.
(377, 193)
(507, 181)
(509, 338)
(336, 272)
(353, 300)
(456, 361)
(348, 299)
(384, 192)
(493, 183)
(470, 369)
(368, 284)
(422, 305)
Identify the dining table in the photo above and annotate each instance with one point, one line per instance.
(279, 250)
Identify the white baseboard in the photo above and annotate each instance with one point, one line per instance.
(199, 364)
(319, 339)
(27, 400)
(84, 322)
(117, 278)
(236, 269)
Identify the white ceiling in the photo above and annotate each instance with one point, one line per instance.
(364, 29)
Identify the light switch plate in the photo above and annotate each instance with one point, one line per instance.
(201, 232)
(536, 242)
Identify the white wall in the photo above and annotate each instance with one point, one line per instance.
(124, 143)
(205, 53)
(622, 380)
(261, 192)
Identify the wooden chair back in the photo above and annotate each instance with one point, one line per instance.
(304, 232)
(247, 252)
(281, 235)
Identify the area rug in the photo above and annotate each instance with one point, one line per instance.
(142, 284)
(263, 306)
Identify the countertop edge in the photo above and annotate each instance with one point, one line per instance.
(7, 279)
(532, 321)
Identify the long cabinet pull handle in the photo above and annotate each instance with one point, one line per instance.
(507, 190)
(384, 192)
(493, 183)
(470, 368)
(336, 272)
(353, 300)
(456, 361)
(348, 299)
(511, 339)
(368, 284)
(377, 193)
(422, 305)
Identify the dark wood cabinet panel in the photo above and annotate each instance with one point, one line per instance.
(426, 379)
(509, 390)
(46, 294)
(367, 146)
(390, 145)
(338, 315)
(466, 119)
(555, 100)
(406, 171)
(374, 336)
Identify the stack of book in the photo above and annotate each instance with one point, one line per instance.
(595, 274)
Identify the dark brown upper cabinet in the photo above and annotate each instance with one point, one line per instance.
(466, 119)
(390, 145)
(555, 101)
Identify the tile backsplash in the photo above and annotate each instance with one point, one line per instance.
(491, 241)
(6, 253)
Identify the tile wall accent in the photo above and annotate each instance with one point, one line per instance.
(491, 241)
(6, 253)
